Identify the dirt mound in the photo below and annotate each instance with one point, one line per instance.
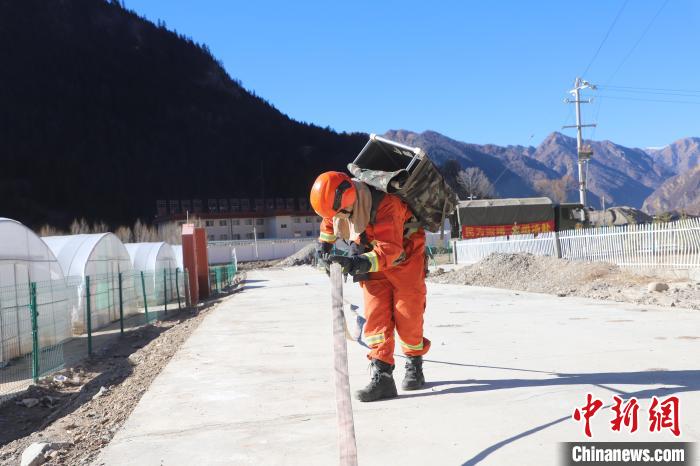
(528, 272)
(598, 280)
(306, 255)
(254, 265)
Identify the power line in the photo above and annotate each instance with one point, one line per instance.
(652, 90)
(644, 33)
(605, 38)
(605, 96)
(622, 63)
(598, 104)
(595, 55)
(633, 91)
(568, 115)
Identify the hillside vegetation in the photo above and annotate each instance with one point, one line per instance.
(102, 113)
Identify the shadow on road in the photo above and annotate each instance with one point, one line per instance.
(676, 381)
(486, 452)
(484, 367)
(673, 381)
(250, 287)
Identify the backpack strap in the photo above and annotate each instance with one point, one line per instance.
(411, 226)
(377, 197)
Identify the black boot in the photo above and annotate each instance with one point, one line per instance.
(414, 379)
(381, 386)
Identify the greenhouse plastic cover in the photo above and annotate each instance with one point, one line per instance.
(101, 257)
(177, 249)
(151, 257)
(25, 258)
(95, 254)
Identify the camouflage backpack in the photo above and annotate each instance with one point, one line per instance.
(408, 173)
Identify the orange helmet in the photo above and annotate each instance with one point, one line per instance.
(331, 192)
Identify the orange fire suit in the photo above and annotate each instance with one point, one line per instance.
(395, 292)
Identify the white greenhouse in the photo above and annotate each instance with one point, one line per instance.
(101, 258)
(177, 249)
(25, 258)
(158, 262)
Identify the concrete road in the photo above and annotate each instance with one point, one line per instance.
(253, 384)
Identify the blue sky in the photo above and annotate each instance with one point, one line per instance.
(484, 72)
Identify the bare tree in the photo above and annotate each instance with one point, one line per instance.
(100, 227)
(79, 227)
(170, 232)
(144, 233)
(124, 234)
(49, 230)
(558, 189)
(475, 183)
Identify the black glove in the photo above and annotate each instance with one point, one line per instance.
(354, 265)
(323, 250)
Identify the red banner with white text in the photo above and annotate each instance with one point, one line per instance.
(481, 231)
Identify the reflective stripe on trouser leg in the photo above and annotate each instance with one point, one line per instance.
(408, 314)
(417, 347)
(376, 339)
(409, 301)
(379, 328)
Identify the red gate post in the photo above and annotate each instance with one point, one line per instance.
(189, 260)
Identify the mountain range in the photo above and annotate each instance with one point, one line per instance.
(656, 180)
(103, 112)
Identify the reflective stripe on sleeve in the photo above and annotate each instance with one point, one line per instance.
(327, 237)
(373, 259)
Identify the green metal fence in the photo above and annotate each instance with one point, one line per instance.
(45, 324)
(222, 277)
(435, 255)
(143, 296)
(34, 324)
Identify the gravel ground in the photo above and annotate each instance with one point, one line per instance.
(80, 408)
(598, 280)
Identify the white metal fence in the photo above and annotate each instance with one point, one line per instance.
(673, 245)
(222, 252)
(433, 239)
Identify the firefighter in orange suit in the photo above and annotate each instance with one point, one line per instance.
(388, 259)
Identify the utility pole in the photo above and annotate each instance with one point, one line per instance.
(255, 239)
(584, 152)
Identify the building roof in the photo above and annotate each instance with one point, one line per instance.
(505, 211)
(227, 215)
(521, 201)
